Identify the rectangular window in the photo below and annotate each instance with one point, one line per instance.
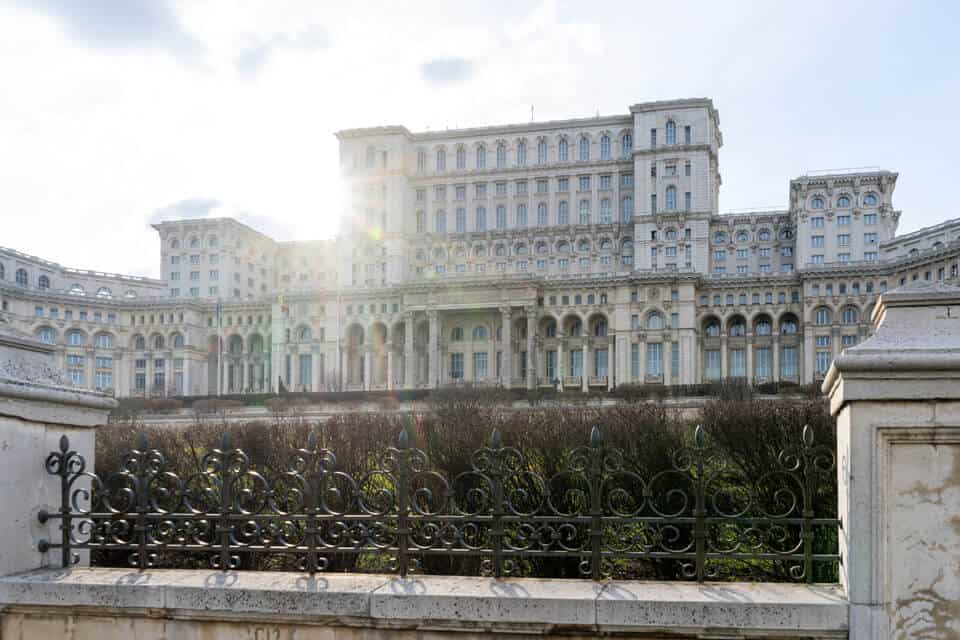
(870, 218)
(816, 242)
(634, 361)
(816, 259)
(687, 201)
(461, 220)
(306, 371)
(843, 221)
(480, 191)
(843, 257)
(789, 363)
(675, 359)
(686, 168)
(764, 362)
(849, 341)
(764, 252)
(870, 256)
(843, 240)
(786, 252)
(550, 368)
(626, 179)
(563, 184)
(822, 362)
(817, 222)
(480, 365)
(738, 363)
(870, 238)
(456, 366)
(712, 364)
(655, 359)
(521, 187)
(605, 182)
(584, 183)
(687, 135)
(460, 192)
(600, 363)
(576, 363)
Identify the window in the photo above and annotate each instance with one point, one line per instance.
(712, 364)
(848, 341)
(21, 277)
(584, 211)
(816, 203)
(605, 147)
(843, 221)
(584, 183)
(481, 157)
(104, 341)
(456, 334)
(521, 215)
(501, 161)
(542, 215)
(626, 144)
(653, 203)
(626, 208)
(461, 158)
(822, 362)
(606, 215)
(75, 339)
(671, 132)
(816, 242)
(456, 366)
(584, 149)
(870, 219)
(671, 198)
(870, 238)
(521, 153)
(441, 160)
(563, 185)
(562, 150)
(870, 256)
(822, 316)
(480, 365)
(655, 359)
(541, 186)
(850, 315)
(563, 213)
(870, 200)
(501, 220)
(46, 334)
(542, 151)
(421, 161)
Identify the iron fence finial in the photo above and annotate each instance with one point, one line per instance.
(596, 438)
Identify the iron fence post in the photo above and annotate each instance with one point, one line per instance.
(226, 501)
(496, 482)
(595, 474)
(403, 501)
(699, 511)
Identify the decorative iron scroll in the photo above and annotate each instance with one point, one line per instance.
(497, 518)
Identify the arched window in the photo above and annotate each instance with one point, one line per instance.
(763, 327)
(584, 152)
(480, 332)
(140, 343)
(605, 147)
(421, 161)
(671, 132)
(438, 253)
(441, 160)
(712, 329)
(738, 328)
(371, 156)
(481, 157)
(479, 251)
(626, 144)
(788, 326)
(655, 322)
(542, 215)
(605, 244)
(671, 198)
(822, 316)
(816, 203)
(563, 247)
(562, 150)
(212, 242)
(304, 334)
(843, 202)
(521, 153)
(500, 250)
(501, 156)
(584, 211)
(456, 335)
(174, 243)
(551, 329)
(46, 334)
(178, 341)
(627, 246)
(542, 247)
(21, 277)
(764, 235)
(626, 208)
(77, 290)
(671, 234)
(743, 236)
(576, 329)
(720, 237)
(130, 294)
(600, 328)
(194, 242)
(43, 283)
(158, 342)
(461, 158)
(850, 315)
(104, 292)
(583, 245)
(520, 249)
(542, 151)
(563, 213)
(104, 341)
(75, 338)
(870, 200)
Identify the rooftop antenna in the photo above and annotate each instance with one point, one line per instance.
(531, 113)
(598, 114)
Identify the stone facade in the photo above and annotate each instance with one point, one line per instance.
(576, 254)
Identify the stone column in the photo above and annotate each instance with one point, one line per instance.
(560, 370)
(187, 391)
(409, 366)
(390, 366)
(531, 348)
(367, 369)
(610, 362)
(316, 367)
(724, 360)
(433, 352)
(506, 369)
(807, 357)
(585, 365)
(643, 359)
(749, 358)
(776, 358)
(896, 398)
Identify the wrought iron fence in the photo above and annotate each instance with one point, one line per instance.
(497, 518)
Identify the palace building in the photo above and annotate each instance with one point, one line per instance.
(577, 254)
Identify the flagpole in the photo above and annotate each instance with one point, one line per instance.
(219, 347)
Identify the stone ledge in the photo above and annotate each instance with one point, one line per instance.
(438, 602)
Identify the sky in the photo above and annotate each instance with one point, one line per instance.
(118, 113)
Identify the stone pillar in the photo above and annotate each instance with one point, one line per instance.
(531, 348)
(187, 390)
(506, 369)
(409, 364)
(367, 369)
(808, 353)
(560, 370)
(585, 365)
(896, 398)
(317, 368)
(750, 359)
(390, 366)
(776, 358)
(433, 350)
(724, 360)
(643, 359)
(610, 362)
(34, 415)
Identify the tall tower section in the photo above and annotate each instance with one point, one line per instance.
(375, 164)
(677, 182)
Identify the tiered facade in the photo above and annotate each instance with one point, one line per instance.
(577, 254)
